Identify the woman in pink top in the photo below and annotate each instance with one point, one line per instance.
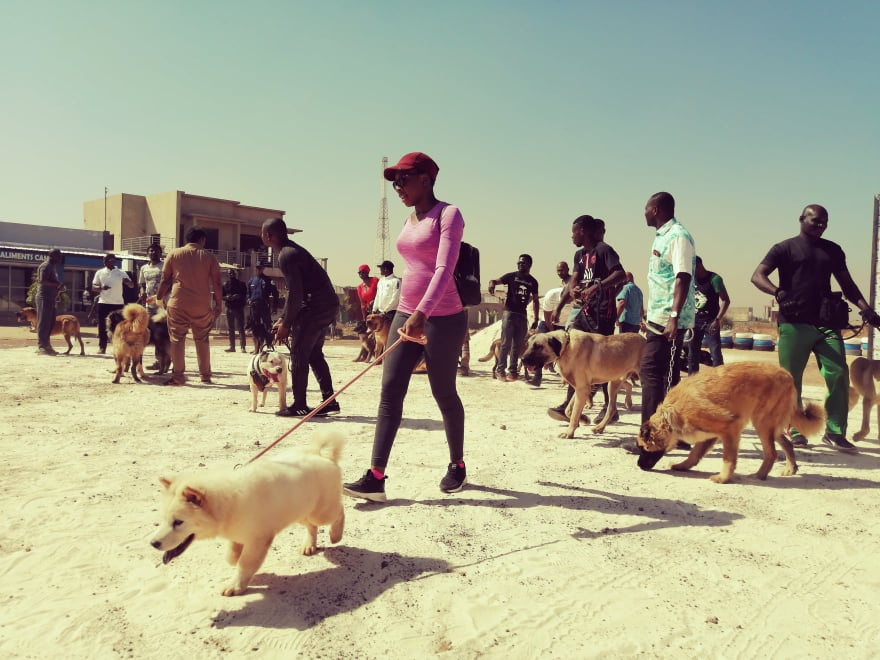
(430, 306)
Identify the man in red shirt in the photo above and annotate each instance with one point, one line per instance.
(366, 289)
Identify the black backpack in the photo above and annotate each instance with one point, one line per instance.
(467, 275)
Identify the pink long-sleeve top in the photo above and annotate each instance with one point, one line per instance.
(429, 248)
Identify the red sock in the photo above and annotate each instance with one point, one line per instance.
(461, 464)
(378, 475)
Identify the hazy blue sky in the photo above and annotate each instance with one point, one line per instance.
(536, 112)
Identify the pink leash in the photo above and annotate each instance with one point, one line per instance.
(418, 340)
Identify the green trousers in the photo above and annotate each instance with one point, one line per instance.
(796, 342)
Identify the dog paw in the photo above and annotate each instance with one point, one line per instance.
(858, 437)
(566, 435)
(717, 478)
(233, 590)
(308, 549)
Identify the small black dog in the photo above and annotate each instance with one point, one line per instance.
(159, 336)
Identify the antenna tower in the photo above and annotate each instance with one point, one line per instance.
(383, 241)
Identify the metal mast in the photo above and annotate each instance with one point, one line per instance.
(383, 241)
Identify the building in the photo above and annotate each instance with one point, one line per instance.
(127, 224)
(135, 221)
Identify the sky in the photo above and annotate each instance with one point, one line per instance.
(536, 113)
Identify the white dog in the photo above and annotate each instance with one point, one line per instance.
(269, 367)
(251, 505)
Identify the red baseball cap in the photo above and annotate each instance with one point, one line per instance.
(413, 162)
(364, 267)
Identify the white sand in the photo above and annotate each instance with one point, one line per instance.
(557, 548)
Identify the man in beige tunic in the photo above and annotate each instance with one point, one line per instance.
(192, 276)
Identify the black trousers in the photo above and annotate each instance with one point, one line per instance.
(658, 371)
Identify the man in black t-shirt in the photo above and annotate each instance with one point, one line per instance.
(521, 288)
(805, 265)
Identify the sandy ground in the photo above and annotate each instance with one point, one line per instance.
(557, 548)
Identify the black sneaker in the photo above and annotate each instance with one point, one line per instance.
(331, 408)
(367, 487)
(294, 411)
(558, 413)
(839, 443)
(799, 441)
(455, 479)
(614, 418)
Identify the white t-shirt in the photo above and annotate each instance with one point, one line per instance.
(387, 294)
(114, 279)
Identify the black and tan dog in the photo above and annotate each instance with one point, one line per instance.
(585, 359)
(130, 336)
(368, 342)
(65, 324)
(717, 404)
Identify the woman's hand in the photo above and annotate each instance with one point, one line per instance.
(414, 325)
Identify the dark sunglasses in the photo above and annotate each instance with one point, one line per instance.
(404, 179)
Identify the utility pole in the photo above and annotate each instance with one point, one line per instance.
(105, 208)
(383, 242)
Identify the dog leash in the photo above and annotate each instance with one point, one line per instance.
(403, 337)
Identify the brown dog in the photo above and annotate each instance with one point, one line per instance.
(65, 324)
(494, 353)
(130, 338)
(717, 404)
(379, 326)
(585, 359)
(862, 374)
(368, 342)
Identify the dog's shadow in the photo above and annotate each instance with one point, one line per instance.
(303, 601)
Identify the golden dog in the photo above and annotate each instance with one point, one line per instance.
(585, 359)
(65, 324)
(250, 506)
(495, 351)
(862, 374)
(379, 326)
(130, 338)
(717, 404)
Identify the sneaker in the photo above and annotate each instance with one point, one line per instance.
(839, 443)
(512, 377)
(367, 487)
(102, 351)
(46, 350)
(499, 375)
(614, 418)
(230, 350)
(558, 413)
(681, 444)
(799, 441)
(455, 479)
(154, 366)
(294, 411)
(331, 408)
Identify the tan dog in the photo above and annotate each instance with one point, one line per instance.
(65, 324)
(585, 359)
(379, 326)
(130, 337)
(251, 505)
(862, 374)
(268, 368)
(494, 353)
(718, 404)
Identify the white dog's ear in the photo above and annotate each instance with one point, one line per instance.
(165, 481)
(193, 496)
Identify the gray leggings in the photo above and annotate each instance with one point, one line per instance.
(445, 336)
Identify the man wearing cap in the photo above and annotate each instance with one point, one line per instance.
(47, 292)
(366, 290)
(387, 291)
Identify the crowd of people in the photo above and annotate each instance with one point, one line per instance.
(681, 311)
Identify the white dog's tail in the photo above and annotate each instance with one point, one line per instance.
(328, 445)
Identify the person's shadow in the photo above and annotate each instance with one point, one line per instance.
(302, 601)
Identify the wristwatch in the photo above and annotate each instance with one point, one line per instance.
(673, 314)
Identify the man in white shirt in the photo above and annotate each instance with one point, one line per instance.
(107, 285)
(387, 291)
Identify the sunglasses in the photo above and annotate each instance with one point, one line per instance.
(404, 179)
